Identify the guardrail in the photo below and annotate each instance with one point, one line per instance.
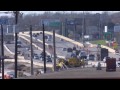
(38, 46)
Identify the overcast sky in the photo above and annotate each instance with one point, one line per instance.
(39, 12)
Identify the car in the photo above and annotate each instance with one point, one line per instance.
(64, 49)
(49, 36)
(48, 59)
(37, 34)
(48, 39)
(74, 48)
(73, 55)
(41, 33)
(83, 55)
(27, 49)
(34, 35)
(11, 74)
(118, 63)
(8, 42)
(117, 51)
(36, 57)
(105, 58)
(61, 39)
(69, 49)
(90, 57)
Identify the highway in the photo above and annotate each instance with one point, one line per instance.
(65, 44)
(59, 44)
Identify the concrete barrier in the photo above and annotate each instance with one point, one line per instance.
(60, 36)
(19, 57)
(110, 49)
(37, 63)
(34, 38)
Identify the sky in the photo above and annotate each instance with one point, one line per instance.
(40, 12)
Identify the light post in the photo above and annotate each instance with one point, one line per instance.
(2, 51)
(44, 53)
(16, 13)
(31, 50)
(54, 50)
(83, 30)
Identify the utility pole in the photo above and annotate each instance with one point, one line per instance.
(83, 27)
(16, 39)
(44, 53)
(75, 31)
(54, 50)
(32, 73)
(2, 51)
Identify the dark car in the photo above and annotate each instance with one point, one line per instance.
(48, 59)
(37, 34)
(8, 42)
(46, 37)
(41, 33)
(69, 50)
(34, 35)
(64, 49)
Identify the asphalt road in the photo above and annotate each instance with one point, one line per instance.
(59, 45)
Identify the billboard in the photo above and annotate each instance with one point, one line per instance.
(116, 28)
(51, 22)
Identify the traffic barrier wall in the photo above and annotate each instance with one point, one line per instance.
(28, 61)
(19, 57)
(34, 38)
(60, 36)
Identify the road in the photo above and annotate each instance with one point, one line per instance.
(59, 44)
(65, 44)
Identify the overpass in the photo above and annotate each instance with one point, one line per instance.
(70, 40)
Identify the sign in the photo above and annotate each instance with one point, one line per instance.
(8, 37)
(3, 21)
(105, 28)
(70, 22)
(51, 22)
(116, 28)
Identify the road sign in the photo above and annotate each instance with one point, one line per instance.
(116, 28)
(8, 37)
(3, 21)
(51, 22)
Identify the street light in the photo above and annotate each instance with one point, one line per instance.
(83, 30)
(16, 13)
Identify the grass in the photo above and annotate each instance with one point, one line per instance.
(102, 42)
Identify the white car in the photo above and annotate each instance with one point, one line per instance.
(117, 63)
(104, 59)
(36, 57)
